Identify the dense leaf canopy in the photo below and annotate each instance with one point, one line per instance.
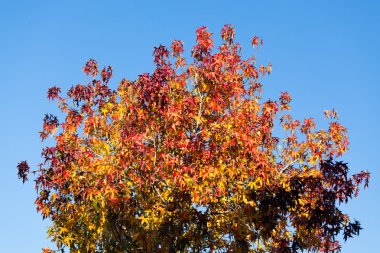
(184, 159)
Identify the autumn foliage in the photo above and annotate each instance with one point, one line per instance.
(184, 160)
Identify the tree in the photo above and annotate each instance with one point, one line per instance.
(184, 160)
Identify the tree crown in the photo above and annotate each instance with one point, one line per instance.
(184, 160)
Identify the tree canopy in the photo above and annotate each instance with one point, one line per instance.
(184, 159)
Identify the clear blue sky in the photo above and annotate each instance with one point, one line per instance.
(325, 53)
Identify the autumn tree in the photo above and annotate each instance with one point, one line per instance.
(184, 159)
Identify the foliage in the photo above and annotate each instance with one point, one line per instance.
(185, 160)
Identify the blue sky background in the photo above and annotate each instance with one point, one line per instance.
(325, 53)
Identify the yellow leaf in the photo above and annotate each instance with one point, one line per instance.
(144, 220)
